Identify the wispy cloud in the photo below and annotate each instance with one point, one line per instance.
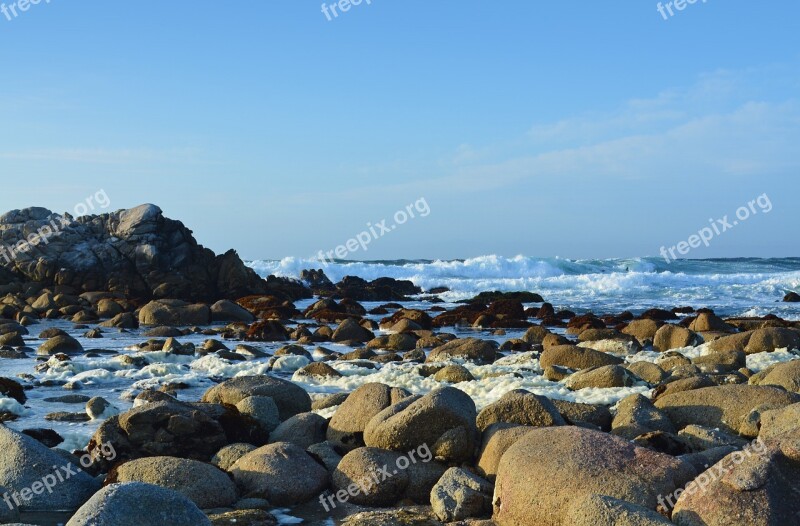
(719, 126)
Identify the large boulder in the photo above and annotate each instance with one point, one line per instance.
(8, 511)
(520, 407)
(377, 477)
(282, 473)
(670, 337)
(206, 485)
(574, 357)
(600, 510)
(227, 310)
(546, 471)
(163, 428)
(757, 486)
(771, 338)
(174, 312)
(290, 398)
(62, 343)
(138, 504)
(443, 419)
(733, 342)
(786, 375)
(707, 322)
(470, 349)
(604, 377)
(643, 330)
(727, 407)
(346, 428)
(45, 480)
(350, 331)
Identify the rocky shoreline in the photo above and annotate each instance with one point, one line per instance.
(213, 396)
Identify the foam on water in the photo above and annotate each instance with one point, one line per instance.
(730, 286)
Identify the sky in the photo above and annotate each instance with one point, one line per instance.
(574, 129)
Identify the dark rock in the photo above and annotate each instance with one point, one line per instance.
(137, 253)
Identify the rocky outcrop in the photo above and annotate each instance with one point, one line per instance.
(138, 253)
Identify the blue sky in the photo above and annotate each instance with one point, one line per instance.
(572, 129)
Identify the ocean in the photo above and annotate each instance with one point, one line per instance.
(732, 287)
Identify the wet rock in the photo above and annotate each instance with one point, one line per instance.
(12, 339)
(453, 374)
(267, 331)
(99, 407)
(420, 318)
(161, 428)
(48, 437)
(63, 343)
(10, 388)
(607, 376)
(350, 330)
(472, 349)
(791, 297)
(393, 342)
(319, 369)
